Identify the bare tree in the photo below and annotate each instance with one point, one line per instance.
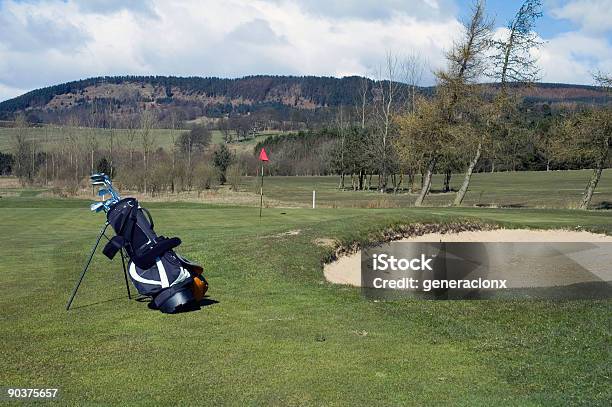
(341, 126)
(603, 80)
(455, 92)
(132, 126)
(386, 92)
(466, 59)
(74, 145)
(591, 135)
(147, 139)
(466, 64)
(362, 102)
(512, 60)
(93, 121)
(20, 146)
(413, 70)
(112, 142)
(173, 127)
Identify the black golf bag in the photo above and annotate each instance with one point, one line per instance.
(174, 283)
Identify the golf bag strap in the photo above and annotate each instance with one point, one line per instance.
(113, 246)
(126, 217)
(146, 211)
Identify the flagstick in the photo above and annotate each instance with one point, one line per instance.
(261, 190)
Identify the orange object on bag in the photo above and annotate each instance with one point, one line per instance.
(199, 287)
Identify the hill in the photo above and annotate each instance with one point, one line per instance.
(279, 99)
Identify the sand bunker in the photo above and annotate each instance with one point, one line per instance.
(347, 269)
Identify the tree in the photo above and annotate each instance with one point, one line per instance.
(234, 175)
(147, 139)
(465, 66)
(386, 92)
(225, 130)
(103, 166)
(603, 80)
(588, 135)
(92, 139)
(206, 176)
(74, 146)
(194, 140)
(173, 171)
(424, 133)
(112, 143)
(6, 163)
(241, 125)
(131, 130)
(222, 158)
(544, 134)
(362, 101)
(413, 67)
(21, 147)
(341, 125)
(512, 60)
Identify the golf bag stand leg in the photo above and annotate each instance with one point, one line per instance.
(93, 251)
(127, 284)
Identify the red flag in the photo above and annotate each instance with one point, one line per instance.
(262, 155)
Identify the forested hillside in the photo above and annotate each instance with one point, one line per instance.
(282, 102)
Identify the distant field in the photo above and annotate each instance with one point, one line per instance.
(50, 136)
(556, 189)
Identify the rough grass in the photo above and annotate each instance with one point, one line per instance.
(279, 333)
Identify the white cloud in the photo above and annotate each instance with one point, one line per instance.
(50, 41)
(590, 15)
(7, 92)
(209, 38)
(572, 57)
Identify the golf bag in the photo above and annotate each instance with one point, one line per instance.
(175, 283)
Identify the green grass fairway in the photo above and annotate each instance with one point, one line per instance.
(557, 189)
(279, 334)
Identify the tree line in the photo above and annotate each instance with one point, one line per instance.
(135, 160)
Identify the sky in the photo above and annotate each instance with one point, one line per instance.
(46, 42)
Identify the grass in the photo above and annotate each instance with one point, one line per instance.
(556, 189)
(279, 333)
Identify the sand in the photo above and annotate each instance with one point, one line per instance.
(346, 270)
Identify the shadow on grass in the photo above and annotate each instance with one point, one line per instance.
(203, 303)
(99, 302)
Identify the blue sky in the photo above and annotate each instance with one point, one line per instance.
(44, 42)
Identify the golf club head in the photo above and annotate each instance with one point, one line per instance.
(110, 202)
(99, 179)
(97, 206)
(104, 191)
